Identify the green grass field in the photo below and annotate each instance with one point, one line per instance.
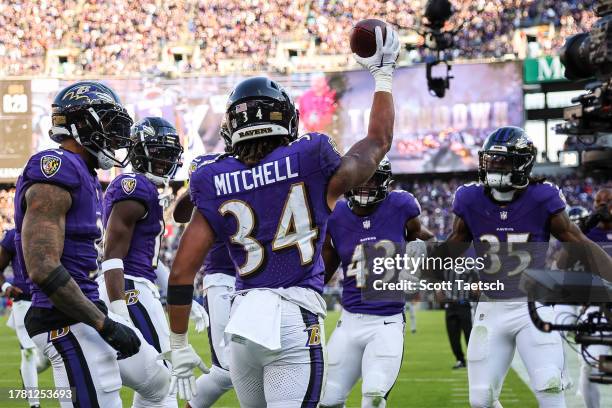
(425, 381)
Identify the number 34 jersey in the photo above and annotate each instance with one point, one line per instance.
(350, 232)
(272, 216)
(142, 257)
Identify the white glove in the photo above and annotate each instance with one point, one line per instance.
(416, 249)
(183, 361)
(382, 64)
(199, 316)
(120, 308)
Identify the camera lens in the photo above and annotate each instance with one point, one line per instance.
(575, 57)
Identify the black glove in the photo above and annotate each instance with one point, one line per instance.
(600, 214)
(120, 337)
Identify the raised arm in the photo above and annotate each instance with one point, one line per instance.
(330, 258)
(361, 160)
(42, 237)
(119, 230)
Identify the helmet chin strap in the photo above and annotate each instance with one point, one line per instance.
(501, 186)
(157, 180)
(104, 162)
(503, 196)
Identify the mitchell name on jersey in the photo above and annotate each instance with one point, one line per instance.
(261, 175)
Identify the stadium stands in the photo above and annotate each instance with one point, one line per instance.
(79, 37)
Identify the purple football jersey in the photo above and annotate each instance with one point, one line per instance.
(525, 219)
(218, 259)
(602, 238)
(8, 243)
(349, 232)
(272, 216)
(143, 255)
(83, 229)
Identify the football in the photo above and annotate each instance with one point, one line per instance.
(363, 36)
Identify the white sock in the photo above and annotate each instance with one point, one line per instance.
(29, 374)
(212, 386)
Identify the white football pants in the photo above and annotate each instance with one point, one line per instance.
(211, 386)
(366, 346)
(290, 377)
(143, 372)
(499, 329)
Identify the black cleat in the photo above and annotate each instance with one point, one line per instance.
(459, 364)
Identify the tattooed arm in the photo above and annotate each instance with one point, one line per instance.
(42, 236)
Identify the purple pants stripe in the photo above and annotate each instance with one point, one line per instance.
(213, 352)
(141, 319)
(79, 376)
(317, 366)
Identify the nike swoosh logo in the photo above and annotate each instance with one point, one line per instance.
(386, 323)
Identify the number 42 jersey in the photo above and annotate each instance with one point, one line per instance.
(272, 216)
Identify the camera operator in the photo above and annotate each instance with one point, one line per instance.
(598, 227)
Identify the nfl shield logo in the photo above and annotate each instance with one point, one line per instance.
(366, 224)
(503, 215)
(128, 185)
(49, 165)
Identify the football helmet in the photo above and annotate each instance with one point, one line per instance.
(92, 114)
(374, 190)
(157, 149)
(225, 134)
(578, 214)
(259, 107)
(506, 159)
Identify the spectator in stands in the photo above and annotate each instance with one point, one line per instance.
(131, 37)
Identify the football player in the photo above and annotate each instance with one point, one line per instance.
(134, 224)
(509, 206)
(269, 201)
(601, 233)
(219, 283)
(58, 210)
(18, 290)
(368, 340)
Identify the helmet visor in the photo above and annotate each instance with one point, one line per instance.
(497, 163)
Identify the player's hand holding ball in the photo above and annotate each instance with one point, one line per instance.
(376, 46)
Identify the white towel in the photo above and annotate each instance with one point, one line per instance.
(256, 316)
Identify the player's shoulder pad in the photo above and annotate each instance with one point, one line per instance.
(468, 192)
(400, 197)
(404, 200)
(54, 166)
(546, 190)
(315, 140)
(128, 185)
(203, 160)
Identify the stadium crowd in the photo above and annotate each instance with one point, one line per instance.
(130, 37)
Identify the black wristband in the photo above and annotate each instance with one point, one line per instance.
(56, 279)
(179, 294)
